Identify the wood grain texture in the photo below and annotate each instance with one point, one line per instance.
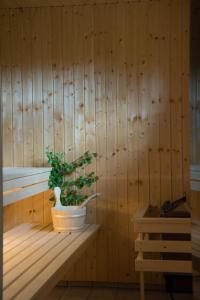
(195, 139)
(195, 85)
(55, 3)
(41, 256)
(111, 78)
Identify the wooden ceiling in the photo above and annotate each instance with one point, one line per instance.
(44, 3)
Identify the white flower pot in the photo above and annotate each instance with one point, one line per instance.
(68, 218)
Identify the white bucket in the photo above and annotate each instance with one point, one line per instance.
(68, 218)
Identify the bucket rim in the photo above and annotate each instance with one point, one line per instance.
(69, 208)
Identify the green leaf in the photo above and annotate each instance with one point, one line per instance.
(60, 176)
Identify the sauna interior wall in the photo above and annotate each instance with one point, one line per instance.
(111, 78)
(195, 83)
(195, 132)
(195, 97)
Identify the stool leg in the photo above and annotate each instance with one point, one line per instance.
(141, 285)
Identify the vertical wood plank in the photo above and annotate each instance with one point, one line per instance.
(176, 100)
(133, 123)
(8, 222)
(194, 82)
(185, 25)
(38, 208)
(47, 207)
(68, 82)
(17, 96)
(25, 21)
(79, 128)
(154, 68)
(143, 75)
(57, 65)
(37, 88)
(164, 96)
(112, 153)
(69, 93)
(90, 130)
(6, 93)
(79, 81)
(122, 142)
(27, 210)
(101, 129)
(27, 84)
(47, 79)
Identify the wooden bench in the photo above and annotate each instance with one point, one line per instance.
(36, 257)
(21, 183)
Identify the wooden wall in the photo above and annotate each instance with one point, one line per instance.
(195, 136)
(195, 83)
(111, 78)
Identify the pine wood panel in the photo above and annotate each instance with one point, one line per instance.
(195, 84)
(195, 138)
(40, 257)
(112, 78)
(53, 3)
(195, 203)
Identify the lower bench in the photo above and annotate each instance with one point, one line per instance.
(36, 257)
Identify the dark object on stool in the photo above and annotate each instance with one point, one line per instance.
(176, 283)
(169, 206)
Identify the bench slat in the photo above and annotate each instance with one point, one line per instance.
(22, 276)
(23, 237)
(25, 192)
(54, 241)
(9, 234)
(41, 253)
(18, 254)
(40, 286)
(15, 233)
(21, 183)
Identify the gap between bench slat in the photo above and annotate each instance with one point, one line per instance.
(53, 240)
(16, 232)
(42, 284)
(9, 234)
(13, 257)
(25, 236)
(23, 273)
(36, 252)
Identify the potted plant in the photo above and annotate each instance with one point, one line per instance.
(69, 211)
